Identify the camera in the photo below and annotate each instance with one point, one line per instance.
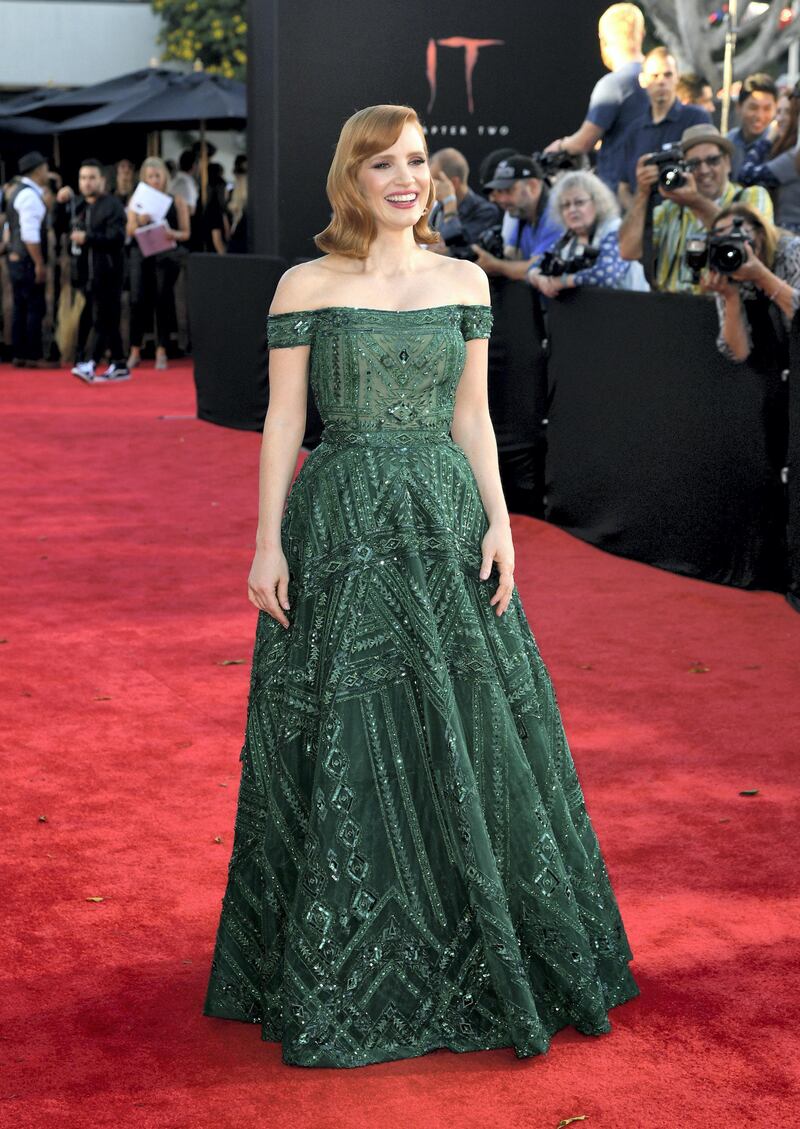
(671, 168)
(558, 161)
(490, 240)
(552, 264)
(724, 252)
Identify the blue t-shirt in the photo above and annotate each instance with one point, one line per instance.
(646, 136)
(542, 236)
(617, 100)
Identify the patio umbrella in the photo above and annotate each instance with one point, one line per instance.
(185, 101)
(57, 105)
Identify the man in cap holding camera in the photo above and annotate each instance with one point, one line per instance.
(687, 211)
(519, 187)
(27, 250)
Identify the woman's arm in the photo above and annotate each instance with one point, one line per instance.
(607, 269)
(282, 436)
(734, 340)
(184, 224)
(472, 430)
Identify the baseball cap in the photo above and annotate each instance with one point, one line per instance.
(511, 169)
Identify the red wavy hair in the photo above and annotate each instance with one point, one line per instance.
(367, 132)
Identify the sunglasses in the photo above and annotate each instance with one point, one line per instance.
(709, 162)
(565, 205)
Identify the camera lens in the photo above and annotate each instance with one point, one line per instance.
(672, 179)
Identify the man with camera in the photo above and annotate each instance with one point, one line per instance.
(97, 239)
(520, 189)
(460, 215)
(665, 121)
(617, 99)
(694, 185)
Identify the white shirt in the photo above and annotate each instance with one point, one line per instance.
(186, 186)
(31, 209)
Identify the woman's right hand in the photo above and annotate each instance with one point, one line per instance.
(715, 282)
(268, 584)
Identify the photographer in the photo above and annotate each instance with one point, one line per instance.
(460, 215)
(617, 100)
(95, 221)
(591, 214)
(757, 301)
(519, 187)
(663, 124)
(688, 209)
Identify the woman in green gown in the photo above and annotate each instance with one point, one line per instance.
(413, 865)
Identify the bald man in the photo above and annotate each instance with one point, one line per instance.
(459, 214)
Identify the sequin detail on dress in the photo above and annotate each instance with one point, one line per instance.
(413, 864)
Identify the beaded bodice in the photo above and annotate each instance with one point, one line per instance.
(378, 373)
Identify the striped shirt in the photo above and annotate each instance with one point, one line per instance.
(673, 224)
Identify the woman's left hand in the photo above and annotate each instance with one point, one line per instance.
(497, 546)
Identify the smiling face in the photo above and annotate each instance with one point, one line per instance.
(756, 112)
(710, 167)
(395, 183)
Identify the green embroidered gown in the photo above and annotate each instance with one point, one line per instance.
(413, 865)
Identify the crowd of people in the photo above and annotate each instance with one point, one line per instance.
(647, 194)
(88, 236)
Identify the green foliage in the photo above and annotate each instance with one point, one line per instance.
(213, 31)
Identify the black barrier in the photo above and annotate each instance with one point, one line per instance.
(658, 448)
(229, 296)
(793, 474)
(517, 386)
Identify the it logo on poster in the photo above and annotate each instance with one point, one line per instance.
(471, 48)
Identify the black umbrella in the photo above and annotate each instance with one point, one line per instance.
(186, 100)
(60, 104)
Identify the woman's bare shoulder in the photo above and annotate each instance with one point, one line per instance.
(300, 287)
(465, 279)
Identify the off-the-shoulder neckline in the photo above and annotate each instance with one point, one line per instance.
(379, 310)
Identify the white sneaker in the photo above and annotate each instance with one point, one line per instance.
(115, 373)
(84, 370)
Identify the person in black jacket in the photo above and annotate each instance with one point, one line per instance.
(95, 221)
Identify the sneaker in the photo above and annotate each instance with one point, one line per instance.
(116, 372)
(84, 370)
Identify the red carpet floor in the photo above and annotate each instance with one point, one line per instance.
(126, 642)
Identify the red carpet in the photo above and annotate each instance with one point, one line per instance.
(128, 528)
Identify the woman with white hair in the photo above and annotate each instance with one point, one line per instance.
(589, 212)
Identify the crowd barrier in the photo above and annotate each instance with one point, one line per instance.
(619, 420)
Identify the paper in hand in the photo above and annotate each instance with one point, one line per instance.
(148, 201)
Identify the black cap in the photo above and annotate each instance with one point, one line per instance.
(515, 168)
(31, 161)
